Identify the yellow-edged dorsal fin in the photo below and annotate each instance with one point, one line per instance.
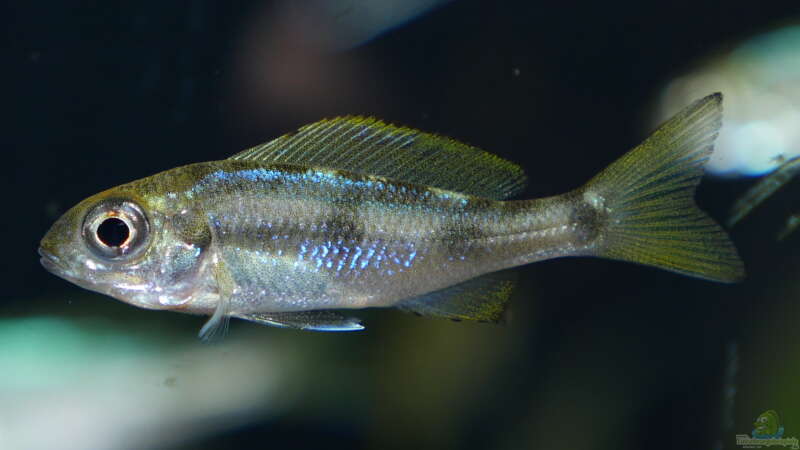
(370, 147)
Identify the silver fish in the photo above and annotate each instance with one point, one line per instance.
(354, 213)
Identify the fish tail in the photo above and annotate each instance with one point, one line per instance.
(648, 199)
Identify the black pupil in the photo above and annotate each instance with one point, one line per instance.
(113, 232)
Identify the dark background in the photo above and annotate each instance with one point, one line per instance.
(605, 354)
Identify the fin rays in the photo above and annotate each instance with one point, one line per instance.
(484, 299)
(649, 197)
(318, 320)
(371, 147)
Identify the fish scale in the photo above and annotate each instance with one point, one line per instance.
(398, 232)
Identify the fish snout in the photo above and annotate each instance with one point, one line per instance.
(50, 261)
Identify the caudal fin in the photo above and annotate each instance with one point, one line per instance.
(648, 195)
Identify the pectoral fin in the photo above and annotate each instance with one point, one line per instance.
(306, 320)
(217, 325)
(484, 299)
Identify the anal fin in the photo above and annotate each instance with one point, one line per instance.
(483, 299)
(305, 320)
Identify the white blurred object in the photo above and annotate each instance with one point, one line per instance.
(760, 80)
(70, 385)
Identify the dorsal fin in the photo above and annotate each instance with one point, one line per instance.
(370, 147)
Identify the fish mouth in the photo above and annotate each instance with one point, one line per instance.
(59, 268)
(51, 262)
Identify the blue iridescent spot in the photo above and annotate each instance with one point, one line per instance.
(410, 259)
(354, 261)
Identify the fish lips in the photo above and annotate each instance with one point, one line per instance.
(51, 262)
(57, 267)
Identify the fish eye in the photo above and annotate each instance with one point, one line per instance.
(113, 232)
(116, 229)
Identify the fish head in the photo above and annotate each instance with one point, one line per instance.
(136, 248)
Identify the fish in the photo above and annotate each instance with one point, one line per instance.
(351, 212)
